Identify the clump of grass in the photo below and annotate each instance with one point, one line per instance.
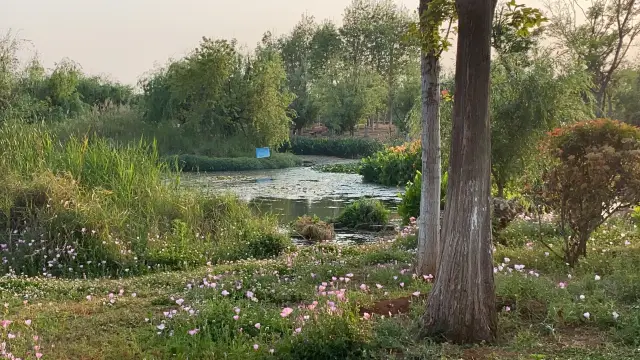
(348, 168)
(191, 163)
(87, 208)
(312, 228)
(363, 213)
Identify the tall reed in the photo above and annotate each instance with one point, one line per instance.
(94, 208)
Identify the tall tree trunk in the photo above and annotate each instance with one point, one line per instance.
(461, 305)
(429, 244)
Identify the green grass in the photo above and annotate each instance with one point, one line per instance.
(546, 321)
(191, 163)
(86, 208)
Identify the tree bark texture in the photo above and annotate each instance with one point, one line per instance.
(461, 305)
(429, 244)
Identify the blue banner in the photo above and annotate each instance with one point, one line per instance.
(263, 153)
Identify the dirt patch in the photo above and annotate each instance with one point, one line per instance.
(580, 337)
(487, 353)
(532, 310)
(403, 304)
(392, 306)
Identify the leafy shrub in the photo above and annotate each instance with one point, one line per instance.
(267, 244)
(407, 242)
(363, 212)
(594, 171)
(330, 338)
(312, 228)
(394, 165)
(205, 163)
(410, 204)
(350, 148)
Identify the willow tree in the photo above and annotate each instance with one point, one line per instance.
(461, 305)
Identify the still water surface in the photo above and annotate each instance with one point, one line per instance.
(290, 193)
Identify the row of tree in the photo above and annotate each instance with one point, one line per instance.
(341, 76)
(33, 94)
(363, 71)
(367, 70)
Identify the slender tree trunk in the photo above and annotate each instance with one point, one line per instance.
(461, 305)
(429, 244)
(600, 106)
(389, 115)
(500, 185)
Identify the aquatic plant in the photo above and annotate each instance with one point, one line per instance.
(363, 212)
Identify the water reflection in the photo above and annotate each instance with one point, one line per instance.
(288, 210)
(290, 193)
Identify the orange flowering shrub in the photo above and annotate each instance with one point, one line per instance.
(395, 165)
(593, 171)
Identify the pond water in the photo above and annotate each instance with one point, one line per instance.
(290, 193)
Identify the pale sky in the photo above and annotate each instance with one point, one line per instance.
(123, 39)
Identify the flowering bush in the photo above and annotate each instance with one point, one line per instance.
(394, 165)
(594, 171)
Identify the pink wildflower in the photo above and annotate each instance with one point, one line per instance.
(286, 312)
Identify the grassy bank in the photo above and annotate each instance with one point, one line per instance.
(349, 168)
(349, 148)
(125, 126)
(86, 208)
(305, 305)
(205, 163)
